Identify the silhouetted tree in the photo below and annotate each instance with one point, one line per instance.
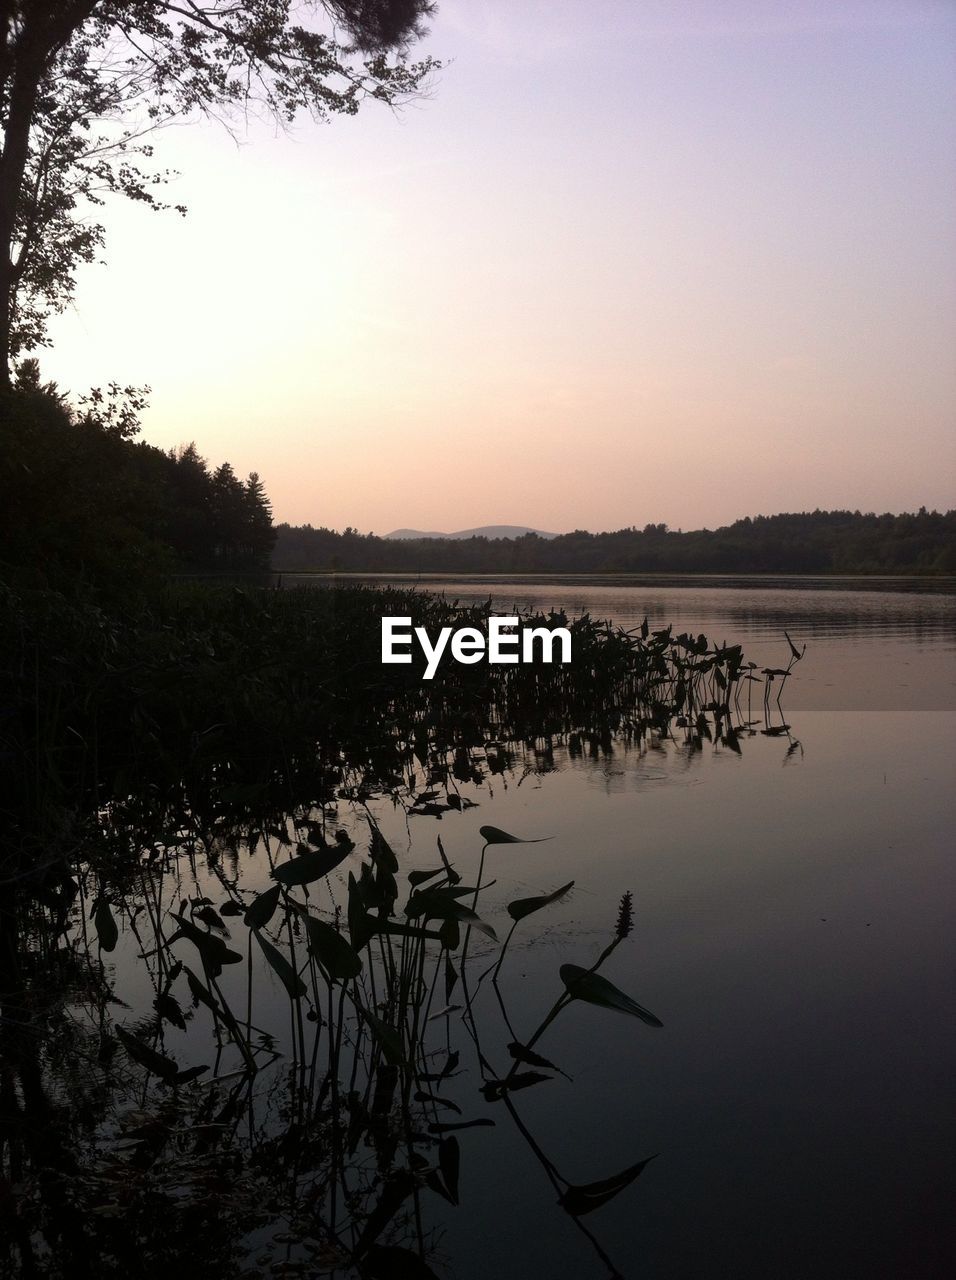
(260, 533)
(82, 82)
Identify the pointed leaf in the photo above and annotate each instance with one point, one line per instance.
(522, 907)
(148, 1057)
(494, 835)
(448, 1162)
(328, 946)
(591, 987)
(580, 1200)
(380, 851)
(167, 1006)
(106, 931)
(310, 866)
(522, 1054)
(261, 910)
(191, 1073)
(419, 877)
(288, 976)
(213, 950)
(387, 1036)
(484, 1123)
(496, 1089)
(797, 654)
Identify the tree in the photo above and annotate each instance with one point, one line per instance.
(83, 83)
(260, 533)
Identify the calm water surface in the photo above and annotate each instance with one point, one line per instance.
(793, 932)
(872, 644)
(793, 911)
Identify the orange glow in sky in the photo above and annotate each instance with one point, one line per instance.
(629, 262)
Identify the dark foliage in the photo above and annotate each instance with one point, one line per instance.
(82, 501)
(83, 83)
(818, 542)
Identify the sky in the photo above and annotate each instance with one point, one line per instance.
(629, 261)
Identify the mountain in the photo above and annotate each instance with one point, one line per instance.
(486, 531)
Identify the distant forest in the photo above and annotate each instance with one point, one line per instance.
(824, 542)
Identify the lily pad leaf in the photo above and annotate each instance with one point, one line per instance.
(591, 987)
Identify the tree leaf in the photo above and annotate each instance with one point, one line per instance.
(580, 1200)
(522, 907)
(591, 987)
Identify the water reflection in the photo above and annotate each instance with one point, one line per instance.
(229, 1032)
(903, 631)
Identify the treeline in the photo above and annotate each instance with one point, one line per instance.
(818, 542)
(82, 500)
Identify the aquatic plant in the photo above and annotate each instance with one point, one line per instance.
(355, 1115)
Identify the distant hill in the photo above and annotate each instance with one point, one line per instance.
(816, 542)
(486, 531)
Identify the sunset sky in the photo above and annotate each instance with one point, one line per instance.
(631, 261)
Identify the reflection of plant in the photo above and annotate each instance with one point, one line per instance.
(350, 1149)
(336, 1152)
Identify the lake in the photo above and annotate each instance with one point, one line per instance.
(793, 910)
(792, 931)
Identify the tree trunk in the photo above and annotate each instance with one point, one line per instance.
(24, 60)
